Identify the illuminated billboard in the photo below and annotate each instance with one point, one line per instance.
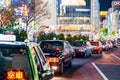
(73, 2)
(3, 3)
(116, 5)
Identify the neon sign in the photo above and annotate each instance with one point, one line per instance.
(115, 3)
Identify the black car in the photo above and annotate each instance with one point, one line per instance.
(58, 52)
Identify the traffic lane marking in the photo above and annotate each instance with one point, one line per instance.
(100, 72)
(108, 71)
(116, 56)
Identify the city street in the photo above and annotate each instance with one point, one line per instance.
(59, 39)
(94, 68)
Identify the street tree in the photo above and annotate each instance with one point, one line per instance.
(38, 11)
(69, 38)
(8, 17)
(20, 34)
(61, 36)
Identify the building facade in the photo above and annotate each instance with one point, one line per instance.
(73, 16)
(116, 16)
(95, 18)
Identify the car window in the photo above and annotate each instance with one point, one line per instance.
(77, 43)
(14, 58)
(94, 43)
(67, 45)
(41, 55)
(36, 59)
(51, 46)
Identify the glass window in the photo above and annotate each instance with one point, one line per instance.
(41, 55)
(67, 45)
(36, 59)
(14, 58)
(51, 46)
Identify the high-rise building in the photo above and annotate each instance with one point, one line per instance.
(79, 17)
(116, 16)
(74, 16)
(95, 17)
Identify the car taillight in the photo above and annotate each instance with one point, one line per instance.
(79, 50)
(15, 75)
(57, 50)
(53, 59)
(95, 48)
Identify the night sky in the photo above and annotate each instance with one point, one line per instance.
(105, 4)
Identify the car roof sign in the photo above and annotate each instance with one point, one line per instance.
(7, 37)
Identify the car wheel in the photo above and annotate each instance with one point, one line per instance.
(90, 53)
(99, 52)
(61, 68)
(84, 55)
(70, 64)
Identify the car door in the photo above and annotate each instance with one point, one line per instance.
(42, 58)
(68, 51)
(65, 52)
(71, 51)
(89, 47)
(44, 67)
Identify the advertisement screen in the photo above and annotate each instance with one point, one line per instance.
(116, 5)
(73, 2)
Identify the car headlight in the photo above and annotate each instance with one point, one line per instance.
(54, 67)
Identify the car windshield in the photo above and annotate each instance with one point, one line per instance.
(94, 43)
(80, 44)
(51, 46)
(14, 58)
(103, 42)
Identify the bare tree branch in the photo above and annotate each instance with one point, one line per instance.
(39, 11)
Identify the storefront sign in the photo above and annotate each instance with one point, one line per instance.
(116, 3)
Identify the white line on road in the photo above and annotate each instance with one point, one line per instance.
(115, 56)
(100, 72)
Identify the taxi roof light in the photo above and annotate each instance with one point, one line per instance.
(7, 37)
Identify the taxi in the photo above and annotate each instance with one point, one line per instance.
(97, 47)
(59, 54)
(22, 61)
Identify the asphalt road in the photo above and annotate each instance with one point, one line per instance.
(106, 67)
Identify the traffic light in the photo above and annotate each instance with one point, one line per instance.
(81, 39)
(105, 32)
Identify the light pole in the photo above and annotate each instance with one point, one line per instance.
(0, 20)
(25, 14)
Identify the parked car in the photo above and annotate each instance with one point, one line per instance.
(58, 52)
(115, 43)
(82, 49)
(105, 46)
(118, 41)
(23, 61)
(110, 44)
(96, 47)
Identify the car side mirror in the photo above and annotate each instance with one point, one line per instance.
(46, 74)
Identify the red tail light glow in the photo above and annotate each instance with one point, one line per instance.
(95, 48)
(15, 75)
(57, 49)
